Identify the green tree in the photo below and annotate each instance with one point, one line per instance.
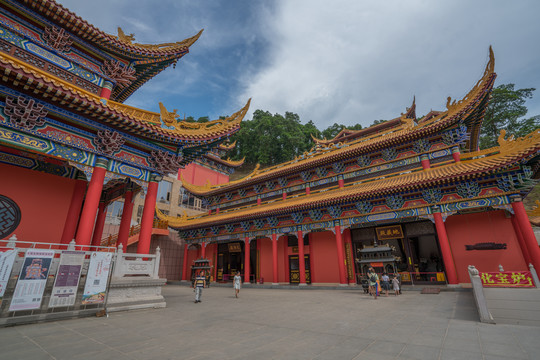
(506, 110)
(331, 131)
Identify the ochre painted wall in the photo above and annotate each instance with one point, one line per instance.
(44, 201)
(491, 226)
(199, 175)
(324, 262)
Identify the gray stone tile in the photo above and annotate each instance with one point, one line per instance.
(454, 354)
(389, 348)
(464, 344)
(503, 349)
(419, 352)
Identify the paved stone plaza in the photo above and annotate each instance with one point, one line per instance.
(280, 324)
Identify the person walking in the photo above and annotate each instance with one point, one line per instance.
(200, 281)
(237, 283)
(372, 279)
(385, 283)
(395, 285)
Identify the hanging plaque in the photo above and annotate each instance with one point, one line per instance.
(389, 232)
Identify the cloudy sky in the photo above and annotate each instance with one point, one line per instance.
(345, 61)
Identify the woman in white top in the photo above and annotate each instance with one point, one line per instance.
(237, 283)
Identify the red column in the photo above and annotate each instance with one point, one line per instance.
(341, 259)
(308, 190)
(284, 196)
(301, 259)
(455, 154)
(526, 231)
(425, 162)
(259, 201)
(88, 216)
(341, 182)
(445, 249)
(184, 265)
(350, 259)
(147, 220)
(521, 241)
(74, 211)
(203, 250)
(106, 90)
(125, 223)
(274, 259)
(100, 224)
(247, 249)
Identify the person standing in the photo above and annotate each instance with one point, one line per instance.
(237, 283)
(395, 285)
(372, 279)
(200, 281)
(385, 283)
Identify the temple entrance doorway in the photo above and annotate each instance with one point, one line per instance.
(414, 248)
(230, 260)
(294, 269)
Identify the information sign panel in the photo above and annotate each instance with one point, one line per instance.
(65, 286)
(7, 258)
(32, 280)
(96, 280)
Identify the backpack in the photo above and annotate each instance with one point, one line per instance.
(373, 278)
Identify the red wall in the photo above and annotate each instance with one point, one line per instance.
(491, 226)
(198, 175)
(265, 258)
(324, 261)
(44, 201)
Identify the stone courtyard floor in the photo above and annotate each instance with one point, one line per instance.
(280, 324)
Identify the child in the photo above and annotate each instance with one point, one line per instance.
(200, 281)
(237, 283)
(395, 285)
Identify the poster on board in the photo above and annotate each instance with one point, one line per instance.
(7, 258)
(67, 279)
(96, 280)
(32, 279)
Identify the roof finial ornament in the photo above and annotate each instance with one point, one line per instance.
(168, 118)
(125, 38)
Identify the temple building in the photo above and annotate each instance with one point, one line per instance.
(69, 146)
(412, 195)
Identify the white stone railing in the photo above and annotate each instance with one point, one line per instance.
(131, 265)
(479, 297)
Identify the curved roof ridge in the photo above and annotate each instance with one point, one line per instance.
(502, 156)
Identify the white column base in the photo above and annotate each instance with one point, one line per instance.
(343, 284)
(302, 284)
(275, 283)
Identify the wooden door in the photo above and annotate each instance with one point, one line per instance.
(294, 269)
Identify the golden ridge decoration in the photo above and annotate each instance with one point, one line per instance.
(511, 145)
(168, 118)
(129, 40)
(172, 220)
(535, 212)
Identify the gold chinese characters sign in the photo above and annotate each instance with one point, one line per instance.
(235, 247)
(389, 232)
(507, 279)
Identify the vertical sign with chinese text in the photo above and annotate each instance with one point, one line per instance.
(7, 258)
(67, 279)
(32, 280)
(96, 280)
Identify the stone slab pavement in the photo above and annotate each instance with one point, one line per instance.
(280, 324)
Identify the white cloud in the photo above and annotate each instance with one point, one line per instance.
(354, 62)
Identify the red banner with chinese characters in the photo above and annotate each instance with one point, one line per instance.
(521, 279)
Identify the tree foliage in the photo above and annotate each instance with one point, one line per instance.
(506, 110)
